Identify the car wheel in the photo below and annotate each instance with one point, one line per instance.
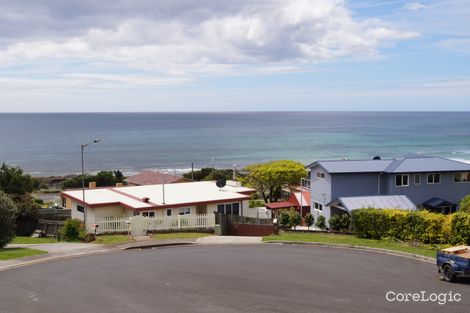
(449, 274)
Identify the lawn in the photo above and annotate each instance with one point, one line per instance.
(113, 239)
(30, 240)
(422, 249)
(179, 236)
(15, 253)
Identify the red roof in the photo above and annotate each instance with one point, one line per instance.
(154, 178)
(279, 205)
(292, 202)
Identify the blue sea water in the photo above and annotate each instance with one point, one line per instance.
(49, 144)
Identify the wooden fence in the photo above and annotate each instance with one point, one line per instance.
(111, 225)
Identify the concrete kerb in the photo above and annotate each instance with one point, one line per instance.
(354, 247)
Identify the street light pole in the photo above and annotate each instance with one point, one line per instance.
(82, 148)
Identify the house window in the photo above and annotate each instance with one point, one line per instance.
(320, 175)
(168, 212)
(236, 208)
(401, 180)
(434, 178)
(318, 206)
(80, 209)
(64, 202)
(148, 214)
(417, 179)
(462, 177)
(184, 211)
(229, 208)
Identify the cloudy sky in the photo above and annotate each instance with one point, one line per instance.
(241, 55)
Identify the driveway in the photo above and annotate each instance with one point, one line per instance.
(227, 278)
(60, 247)
(229, 240)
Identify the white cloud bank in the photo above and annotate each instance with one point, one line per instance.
(172, 40)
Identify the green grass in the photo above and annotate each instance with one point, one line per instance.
(15, 253)
(30, 240)
(113, 239)
(179, 236)
(422, 249)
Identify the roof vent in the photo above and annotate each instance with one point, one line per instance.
(377, 158)
(146, 199)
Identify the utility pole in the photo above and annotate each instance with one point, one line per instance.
(192, 171)
(234, 174)
(82, 148)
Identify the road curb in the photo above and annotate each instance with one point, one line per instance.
(156, 245)
(354, 247)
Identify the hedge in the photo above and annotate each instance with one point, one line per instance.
(421, 226)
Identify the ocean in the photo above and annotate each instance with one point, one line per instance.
(49, 144)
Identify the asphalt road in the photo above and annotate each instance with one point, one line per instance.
(227, 278)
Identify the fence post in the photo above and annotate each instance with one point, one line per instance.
(179, 221)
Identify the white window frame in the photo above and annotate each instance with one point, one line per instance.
(82, 211)
(184, 211)
(317, 206)
(419, 180)
(407, 180)
(462, 174)
(148, 214)
(433, 178)
(320, 175)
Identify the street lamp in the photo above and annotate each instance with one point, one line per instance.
(82, 148)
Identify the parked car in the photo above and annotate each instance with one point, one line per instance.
(453, 262)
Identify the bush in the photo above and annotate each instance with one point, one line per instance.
(370, 223)
(464, 205)
(7, 219)
(284, 218)
(460, 228)
(309, 219)
(294, 218)
(73, 230)
(321, 222)
(256, 203)
(340, 222)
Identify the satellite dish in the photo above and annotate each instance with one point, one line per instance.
(377, 158)
(221, 182)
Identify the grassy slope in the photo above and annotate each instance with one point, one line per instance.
(426, 250)
(113, 239)
(30, 240)
(14, 253)
(179, 236)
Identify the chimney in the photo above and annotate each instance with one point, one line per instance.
(92, 185)
(146, 199)
(119, 185)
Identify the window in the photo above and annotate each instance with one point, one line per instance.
(80, 209)
(136, 213)
(434, 178)
(229, 208)
(148, 214)
(462, 177)
(168, 212)
(64, 202)
(184, 211)
(221, 208)
(236, 208)
(417, 179)
(320, 175)
(401, 180)
(318, 206)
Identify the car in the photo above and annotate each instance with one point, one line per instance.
(453, 262)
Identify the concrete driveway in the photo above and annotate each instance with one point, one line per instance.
(229, 240)
(227, 278)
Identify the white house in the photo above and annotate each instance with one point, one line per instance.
(193, 198)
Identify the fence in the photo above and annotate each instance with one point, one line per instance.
(124, 224)
(50, 228)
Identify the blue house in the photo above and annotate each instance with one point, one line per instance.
(432, 182)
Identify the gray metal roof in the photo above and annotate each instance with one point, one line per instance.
(377, 202)
(404, 165)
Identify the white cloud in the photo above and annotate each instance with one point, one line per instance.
(415, 6)
(461, 45)
(219, 40)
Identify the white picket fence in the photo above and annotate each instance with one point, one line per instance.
(124, 224)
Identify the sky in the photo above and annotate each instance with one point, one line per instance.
(241, 55)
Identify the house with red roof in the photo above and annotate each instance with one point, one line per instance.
(296, 200)
(154, 178)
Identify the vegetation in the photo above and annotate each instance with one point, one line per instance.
(415, 226)
(102, 179)
(465, 204)
(340, 222)
(184, 235)
(209, 173)
(7, 219)
(270, 178)
(284, 218)
(113, 239)
(309, 219)
(321, 222)
(15, 253)
(256, 203)
(294, 218)
(32, 240)
(13, 181)
(73, 230)
(328, 238)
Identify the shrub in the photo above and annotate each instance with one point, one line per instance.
(309, 219)
(284, 218)
(256, 203)
(7, 219)
(370, 223)
(294, 218)
(460, 228)
(73, 230)
(464, 205)
(340, 222)
(321, 222)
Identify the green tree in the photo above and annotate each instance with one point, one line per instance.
(309, 219)
(340, 222)
(14, 182)
(284, 218)
(321, 222)
(465, 204)
(271, 177)
(7, 219)
(294, 218)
